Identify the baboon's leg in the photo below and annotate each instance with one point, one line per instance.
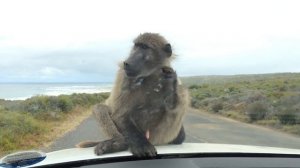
(102, 114)
(180, 137)
(103, 118)
(116, 141)
(137, 142)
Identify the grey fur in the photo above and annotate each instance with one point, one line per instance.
(146, 97)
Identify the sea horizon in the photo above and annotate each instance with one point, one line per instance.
(25, 90)
(51, 82)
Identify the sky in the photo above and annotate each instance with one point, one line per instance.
(83, 41)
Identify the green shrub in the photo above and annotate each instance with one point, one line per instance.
(21, 120)
(255, 97)
(283, 88)
(36, 104)
(86, 100)
(288, 116)
(195, 87)
(217, 106)
(276, 94)
(240, 107)
(232, 90)
(64, 104)
(195, 103)
(52, 107)
(288, 101)
(257, 110)
(15, 125)
(18, 122)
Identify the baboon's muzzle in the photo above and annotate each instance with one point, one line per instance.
(129, 70)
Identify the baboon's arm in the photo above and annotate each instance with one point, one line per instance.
(102, 114)
(171, 101)
(104, 120)
(170, 88)
(172, 121)
(116, 141)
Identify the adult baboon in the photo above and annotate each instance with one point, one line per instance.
(147, 105)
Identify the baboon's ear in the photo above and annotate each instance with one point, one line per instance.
(168, 49)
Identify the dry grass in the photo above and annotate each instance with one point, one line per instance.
(294, 129)
(50, 131)
(59, 128)
(235, 115)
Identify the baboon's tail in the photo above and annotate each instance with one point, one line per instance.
(87, 144)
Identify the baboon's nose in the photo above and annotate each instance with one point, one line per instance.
(126, 65)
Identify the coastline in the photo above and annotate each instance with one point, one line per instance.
(23, 91)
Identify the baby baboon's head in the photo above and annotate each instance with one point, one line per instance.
(149, 53)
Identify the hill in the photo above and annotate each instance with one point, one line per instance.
(223, 79)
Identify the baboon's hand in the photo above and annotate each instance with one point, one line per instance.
(169, 81)
(144, 149)
(110, 146)
(168, 73)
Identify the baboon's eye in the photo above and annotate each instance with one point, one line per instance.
(142, 46)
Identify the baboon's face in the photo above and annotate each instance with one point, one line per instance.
(144, 60)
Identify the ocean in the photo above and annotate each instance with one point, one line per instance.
(22, 91)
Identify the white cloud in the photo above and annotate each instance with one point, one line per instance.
(51, 71)
(219, 32)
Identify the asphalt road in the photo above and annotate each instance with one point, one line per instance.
(200, 127)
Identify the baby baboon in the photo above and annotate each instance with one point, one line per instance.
(146, 105)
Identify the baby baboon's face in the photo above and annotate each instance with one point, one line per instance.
(144, 59)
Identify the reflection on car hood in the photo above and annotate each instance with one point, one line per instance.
(77, 154)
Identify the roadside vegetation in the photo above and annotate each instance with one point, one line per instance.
(27, 124)
(271, 100)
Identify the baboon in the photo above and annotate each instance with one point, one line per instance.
(147, 103)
